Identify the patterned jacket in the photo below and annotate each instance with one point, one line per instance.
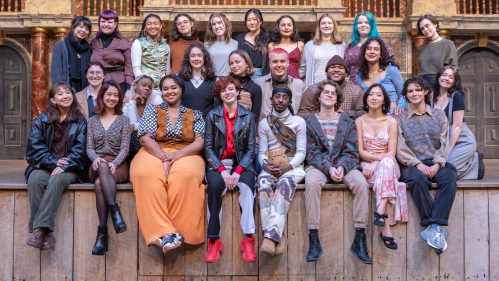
(344, 152)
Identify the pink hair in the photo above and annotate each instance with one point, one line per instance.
(108, 15)
(279, 51)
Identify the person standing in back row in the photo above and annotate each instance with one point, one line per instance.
(219, 43)
(183, 34)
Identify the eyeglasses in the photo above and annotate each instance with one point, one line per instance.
(185, 22)
(328, 93)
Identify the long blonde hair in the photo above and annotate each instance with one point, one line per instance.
(335, 38)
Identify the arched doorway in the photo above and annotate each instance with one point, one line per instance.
(479, 69)
(14, 104)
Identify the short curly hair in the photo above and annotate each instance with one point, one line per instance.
(175, 34)
(429, 17)
(421, 82)
(223, 83)
(339, 93)
(384, 60)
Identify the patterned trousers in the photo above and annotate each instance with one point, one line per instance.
(275, 196)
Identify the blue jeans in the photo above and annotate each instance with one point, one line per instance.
(258, 73)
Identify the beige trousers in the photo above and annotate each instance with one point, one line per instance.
(315, 181)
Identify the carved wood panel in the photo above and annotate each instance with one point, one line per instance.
(14, 105)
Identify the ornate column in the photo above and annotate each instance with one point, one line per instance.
(417, 40)
(444, 33)
(60, 33)
(39, 71)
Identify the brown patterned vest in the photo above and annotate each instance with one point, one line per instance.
(187, 130)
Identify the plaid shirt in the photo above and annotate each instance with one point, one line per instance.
(353, 104)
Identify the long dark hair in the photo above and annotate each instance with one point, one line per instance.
(53, 112)
(185, 68)
(262, 39)
(81, 20)
(100, 107)
(277, 37)
(386, 99)
(175, 34)
(384, 59)
(457, 87)
(143, 33)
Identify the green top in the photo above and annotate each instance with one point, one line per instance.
(432, 57)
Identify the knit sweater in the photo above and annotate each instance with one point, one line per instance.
(219, 52)
(432, 57)
(177, 50)
(268, 141)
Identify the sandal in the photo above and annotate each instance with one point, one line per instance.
(378, 217)
(392, 245)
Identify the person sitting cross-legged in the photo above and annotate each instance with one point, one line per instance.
(229, 146)
(282, 151)
(421, 149)
(332, 154)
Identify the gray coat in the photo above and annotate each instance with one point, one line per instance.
(59, 68)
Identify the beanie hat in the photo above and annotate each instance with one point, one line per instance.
(339, 61)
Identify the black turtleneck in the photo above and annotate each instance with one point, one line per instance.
(256, 93)
(276, 82)
(189, 38)
(107, 39)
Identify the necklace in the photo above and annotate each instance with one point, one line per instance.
(196, 81)
(104, 42)
(436, 40)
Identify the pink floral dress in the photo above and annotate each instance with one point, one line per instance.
(386, 174)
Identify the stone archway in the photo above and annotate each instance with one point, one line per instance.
(15, 96)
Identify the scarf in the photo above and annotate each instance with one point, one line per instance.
(276, 82)
(79, 58)
(283, 133)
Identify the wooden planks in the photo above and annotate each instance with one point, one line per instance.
(298, 267)
(452, 260)
(7, 234)
(86, 266)
(121, 257)
(476, 232)
(494, 233)
(26, 258)
(151, 259)
(224, 265)
(57, 263)
(331, 264)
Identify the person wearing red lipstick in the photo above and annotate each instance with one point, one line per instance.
(286, 37)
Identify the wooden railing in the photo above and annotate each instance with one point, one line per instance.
(246, 2)
(11, 5)
(477, 7)
(379, 8)
(123, 8)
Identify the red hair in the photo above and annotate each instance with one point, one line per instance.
(223, 83)
(100, 108)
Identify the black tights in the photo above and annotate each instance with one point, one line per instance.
(105, 191)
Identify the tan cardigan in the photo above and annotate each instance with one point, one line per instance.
(81, 97)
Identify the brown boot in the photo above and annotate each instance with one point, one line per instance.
(281, 246)
(268, 246)
(48, 241)
(36, 238)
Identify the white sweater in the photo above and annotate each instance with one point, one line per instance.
(268, 141)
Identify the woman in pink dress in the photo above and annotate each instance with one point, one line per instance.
(377, 133)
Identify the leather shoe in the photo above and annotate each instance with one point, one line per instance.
(268, 246)
(36, 239)
(359, 248)
(118, 222)
(281, 246)
(314, 247)
(48, 241)
(101, 242)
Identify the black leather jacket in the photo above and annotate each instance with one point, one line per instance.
(40, 140)
(244, 137)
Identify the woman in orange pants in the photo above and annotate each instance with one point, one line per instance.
(168, 171)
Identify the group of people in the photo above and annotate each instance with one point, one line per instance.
(189, 119)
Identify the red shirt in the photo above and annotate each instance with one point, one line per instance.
(229, 149)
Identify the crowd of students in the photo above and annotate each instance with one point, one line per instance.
(258, 113)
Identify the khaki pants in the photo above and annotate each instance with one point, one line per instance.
(315, 181)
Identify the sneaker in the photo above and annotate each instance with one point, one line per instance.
(178, 239)
(435, 238)
(424, 233)
(157, 242)
(214, 249)
(168, 243)
(247, 246)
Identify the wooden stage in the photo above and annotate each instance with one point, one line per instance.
(472, 254)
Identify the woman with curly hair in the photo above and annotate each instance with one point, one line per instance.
(254, 42)
(198, 73)
(219, 43)
(378, 67)
(364, 27)
(183, 34)
(286, 37)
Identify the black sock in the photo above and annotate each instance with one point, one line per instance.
(360, 230)
(246, 236)
(314, 231)
(213, 239)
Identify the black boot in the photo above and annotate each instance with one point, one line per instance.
(314, 246)
(118, 222)
(359, 248)
(100, 246)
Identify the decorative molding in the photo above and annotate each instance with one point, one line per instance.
(23, 39)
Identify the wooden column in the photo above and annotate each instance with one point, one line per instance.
(417, 40)
(60, 33)
(39, 71)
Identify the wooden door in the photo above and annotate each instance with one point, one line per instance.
(479, 71)
(14, 101)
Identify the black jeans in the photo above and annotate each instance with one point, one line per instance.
(431, 210)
